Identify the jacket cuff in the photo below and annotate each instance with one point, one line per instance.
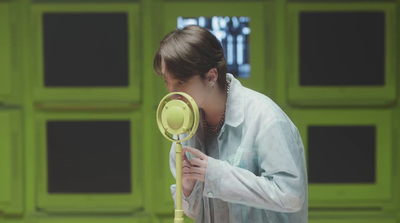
(213, 178)
(192, 197)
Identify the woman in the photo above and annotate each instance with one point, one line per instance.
(249, 162)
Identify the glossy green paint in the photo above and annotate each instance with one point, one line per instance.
(10, 90)
(130, 93)
(5, 46)
(347, 195)
(341, 96)
(11, 165)
(89, 203)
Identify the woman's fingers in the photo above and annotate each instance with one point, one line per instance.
(183, 154)
(195, 152)
(197, 162)
(186, 163)
(195, 177)
(194, 172)
(196, 167)
(197, 170)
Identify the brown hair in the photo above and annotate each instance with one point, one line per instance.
(191, 51)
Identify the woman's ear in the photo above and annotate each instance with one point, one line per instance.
(212, 75)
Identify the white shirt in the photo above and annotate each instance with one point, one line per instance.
(257, 171)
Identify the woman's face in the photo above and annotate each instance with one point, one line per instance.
(195, 87)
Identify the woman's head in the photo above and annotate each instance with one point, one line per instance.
(189, 52)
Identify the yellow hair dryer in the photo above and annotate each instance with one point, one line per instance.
(176, 117)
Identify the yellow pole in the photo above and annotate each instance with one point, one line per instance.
(178, 158)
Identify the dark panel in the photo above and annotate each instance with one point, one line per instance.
(85, 49)
(342, 48)
(341, 154)
(88, 156)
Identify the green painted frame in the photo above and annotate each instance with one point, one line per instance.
(11, 164)
(130, 93)
(5, 46)
(254, 10)
(130, 219)
(10, 76)
(354, 220)
(351, 96)
(352, 194)
(76, 203)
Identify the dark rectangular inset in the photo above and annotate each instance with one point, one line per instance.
(342, 48)
(342, 154)
(89, 156)
(85, 49)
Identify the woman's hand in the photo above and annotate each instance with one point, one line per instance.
(193, 170)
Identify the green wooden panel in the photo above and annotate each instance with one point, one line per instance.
(356, 220)
(131, 93)
(96, 220)
(5, 157)
(10, 162)
(352, 194)
(167, 202)
(171, 219)
(90, 202)
(5, 51)
(347, 95)
(19, 220)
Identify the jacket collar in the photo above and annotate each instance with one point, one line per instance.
(234, 114)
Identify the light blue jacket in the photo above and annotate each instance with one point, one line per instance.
(260, 175)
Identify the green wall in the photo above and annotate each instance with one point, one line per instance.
(24, 104)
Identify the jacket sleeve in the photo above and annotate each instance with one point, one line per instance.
(281, 183)
(193, 204)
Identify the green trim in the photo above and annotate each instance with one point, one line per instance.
(5, 52)
(186, 219)
(11, 178)
(351, 220)
(254, 10)
(271, 47)
(352, 194)
(114, 203)
(281, 69)
(357, 95)
(166, 199)
(10, 89)
(132, 219)
(131, 93)
(25, 46)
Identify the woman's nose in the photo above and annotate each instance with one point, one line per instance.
(171, 88)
